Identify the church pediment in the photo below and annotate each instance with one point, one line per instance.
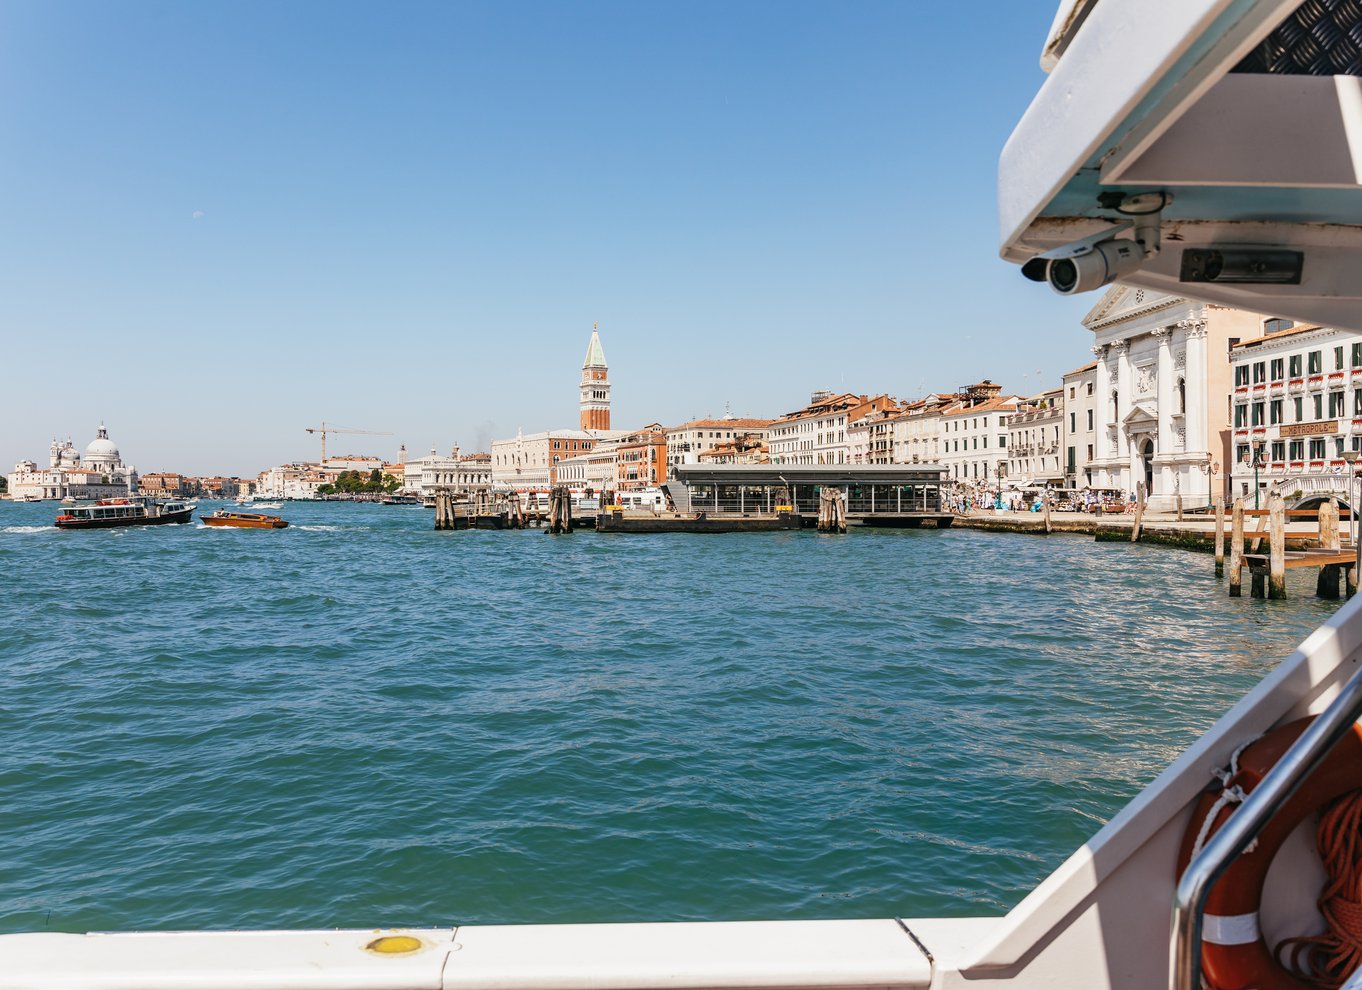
(1140, 416)
(1124, 302)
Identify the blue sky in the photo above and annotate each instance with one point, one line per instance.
(223, 223)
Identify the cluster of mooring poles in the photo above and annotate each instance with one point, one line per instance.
(832, 511)
(444, 511)
(1268, 571)
(560, 511)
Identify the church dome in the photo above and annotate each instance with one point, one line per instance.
(101, 448)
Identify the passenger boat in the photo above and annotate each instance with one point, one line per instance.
(244, 520)
(132, 511)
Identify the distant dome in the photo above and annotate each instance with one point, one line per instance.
(101, 448)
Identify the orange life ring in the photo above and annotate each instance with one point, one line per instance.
(1234, 955)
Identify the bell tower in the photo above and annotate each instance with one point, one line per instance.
(595, 398)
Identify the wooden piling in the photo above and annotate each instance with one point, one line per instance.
(1237, 549)
(1139, 513)
(1219, 539)
(1326, 584)
(1277, 548)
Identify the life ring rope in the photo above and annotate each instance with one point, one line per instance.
(1328, 960)
(1234, 953)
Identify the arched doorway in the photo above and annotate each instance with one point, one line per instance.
(1147, 457)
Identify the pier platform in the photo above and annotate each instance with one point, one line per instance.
(695, 522)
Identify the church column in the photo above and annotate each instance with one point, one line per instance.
(1125, 449)
(1197, 388)
(1165, 443)
(1101, 403)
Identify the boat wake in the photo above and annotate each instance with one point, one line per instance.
(25, 529)
(323, 529)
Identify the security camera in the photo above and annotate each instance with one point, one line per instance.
(1100, 259)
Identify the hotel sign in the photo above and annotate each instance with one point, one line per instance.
(1310, 429)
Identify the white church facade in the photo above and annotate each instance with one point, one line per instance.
(1161, 396)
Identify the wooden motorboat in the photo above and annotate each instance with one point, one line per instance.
(244, 520)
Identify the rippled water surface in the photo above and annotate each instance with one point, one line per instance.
(359, 721)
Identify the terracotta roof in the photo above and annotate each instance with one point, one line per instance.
(1278, 336)
(1078, 371)
(998, 404)
(714, 424)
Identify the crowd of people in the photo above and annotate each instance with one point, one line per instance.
(966, 498)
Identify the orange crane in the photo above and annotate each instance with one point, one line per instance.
(324, 430)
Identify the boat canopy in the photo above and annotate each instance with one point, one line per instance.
(1248, 113)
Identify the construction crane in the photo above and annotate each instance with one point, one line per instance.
(324, 430)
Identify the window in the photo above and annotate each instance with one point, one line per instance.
(1090, 450)
(1295, 363)
(1357, 355)
(1073, 422)
(1240, 416)
(1298, 402)
(1317, 449)
(1319, 406)
(1336, 407)
(1277, 326)
(1182, 395)
(1259, 373)
(1241, 453)
(1090, 385)
(1278, 450)
(1073, 389)
(1278, 369)
(1338, 358)
(1315, 362)
(1241, 375)
(1257, 409)
(1338, 446)
(1089, 419)
(1274, 411)
(1357, 402)
(1297, 450)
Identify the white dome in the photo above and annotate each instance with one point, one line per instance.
(101, 449)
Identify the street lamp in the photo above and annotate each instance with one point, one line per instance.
(1258, 462)
(1350, 457)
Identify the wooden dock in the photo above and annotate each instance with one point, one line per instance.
(1268, 570)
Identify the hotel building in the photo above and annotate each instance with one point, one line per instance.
(1297, 406)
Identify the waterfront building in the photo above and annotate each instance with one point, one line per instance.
(1162, 392)
(1035, 441)
(817, 433)
(163, 484)
(687, 443)
(529, 462)
(98, 473)
(1297, 407)
(595, 471)
(974, 434)
(459, 472)
(1080, 422)
(641, 458)
(916, 430)
(298, 480)
(746, 448)
(595, 386)
(870, 436)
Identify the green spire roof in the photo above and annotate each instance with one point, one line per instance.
(595, 353)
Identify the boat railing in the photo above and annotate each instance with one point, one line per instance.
(1239, 831)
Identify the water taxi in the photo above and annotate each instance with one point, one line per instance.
(244, 520)
(132, 511)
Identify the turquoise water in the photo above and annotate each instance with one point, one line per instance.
(359, 721)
